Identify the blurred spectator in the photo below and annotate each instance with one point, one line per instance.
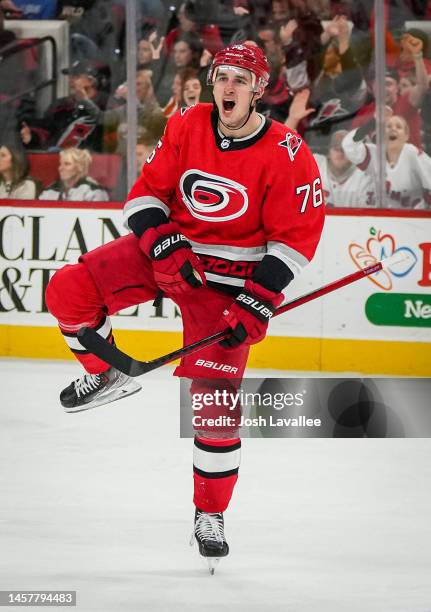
(344, 184)
(152, 127)
(405, 105)
(276, 99)
(147, 107)
(147, 139)
(426, 120)
(73, 120)
(338, 92)
(187, 53)
(149, 50)
(302, 47)
(267, 39)
(299, 109)
(414, 44)
(174, 102)
(10, 9)
(406, 84)
(37, 9)
(144, 148)
(321, 8)
(74, 183)
(10, 62)
(408, 170)
(190, 20)
(94, 32)
(144, 91)
(150, 13)
(191, 88)
(14, 180)
(91, 18)
(280, 11)
(6, 36)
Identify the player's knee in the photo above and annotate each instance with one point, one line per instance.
(62, 288)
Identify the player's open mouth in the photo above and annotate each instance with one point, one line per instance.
(228, 105)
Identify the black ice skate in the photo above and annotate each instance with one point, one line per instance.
(96, 389)
(209, 534)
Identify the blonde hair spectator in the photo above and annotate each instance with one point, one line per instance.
(74, 184)
(80, 157)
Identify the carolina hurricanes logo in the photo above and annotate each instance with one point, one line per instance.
(330, 109)
(213, 198)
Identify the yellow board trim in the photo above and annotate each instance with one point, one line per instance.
(276, 352)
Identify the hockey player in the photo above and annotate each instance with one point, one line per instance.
(227, 210)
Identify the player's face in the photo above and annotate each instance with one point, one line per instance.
(233, 94)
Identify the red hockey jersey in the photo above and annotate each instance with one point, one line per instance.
(234, 199)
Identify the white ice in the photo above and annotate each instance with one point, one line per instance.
(100, 502)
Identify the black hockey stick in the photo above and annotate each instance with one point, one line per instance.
(93, 342)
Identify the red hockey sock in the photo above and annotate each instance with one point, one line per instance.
(215, 467)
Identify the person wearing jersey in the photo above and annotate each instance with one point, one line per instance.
(227, 211)
(407, 169)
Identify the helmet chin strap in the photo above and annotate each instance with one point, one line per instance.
(251, 108)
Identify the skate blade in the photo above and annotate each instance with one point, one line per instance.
(212, 564)
(116, 394)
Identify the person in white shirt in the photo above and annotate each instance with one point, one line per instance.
(74, 183)
(14, 180)
(408, 169)
(344, 185)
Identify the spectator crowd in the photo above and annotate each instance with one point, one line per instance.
(322, 85)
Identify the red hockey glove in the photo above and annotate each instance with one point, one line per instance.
(249, 315)
(176, 268)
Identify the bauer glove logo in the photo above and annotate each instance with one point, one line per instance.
(165, 245)
(262, 310)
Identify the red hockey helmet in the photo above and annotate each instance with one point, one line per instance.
(242, 55)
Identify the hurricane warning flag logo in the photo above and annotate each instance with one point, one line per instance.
(292, 143)
(213, 198)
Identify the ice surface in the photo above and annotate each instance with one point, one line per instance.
(100, 502)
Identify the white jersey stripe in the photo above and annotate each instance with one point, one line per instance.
(224, 280)
(216, 462)
(289, 256)
(143, 203)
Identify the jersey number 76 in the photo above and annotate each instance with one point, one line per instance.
(316, 191)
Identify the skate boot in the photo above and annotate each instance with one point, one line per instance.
(209, 534)
(93, 390)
